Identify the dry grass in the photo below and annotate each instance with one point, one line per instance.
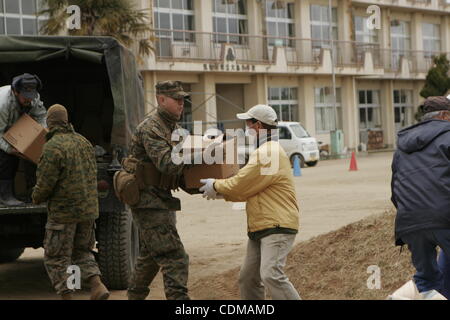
(334, 265)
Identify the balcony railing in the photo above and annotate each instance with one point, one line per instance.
(211, 47)
(214, 47)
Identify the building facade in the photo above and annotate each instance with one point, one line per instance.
(233, 54)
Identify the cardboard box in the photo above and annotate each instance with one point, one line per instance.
(209, 149)
(28, 137)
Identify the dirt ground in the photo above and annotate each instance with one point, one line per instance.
(214, 234)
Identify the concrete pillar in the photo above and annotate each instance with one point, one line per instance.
(344, 11)
(306, 103)
(258, 89)
(149, 90)
(385, 35)
(303, 30)
(257, 26)
(203, 16)
(417, 57)
(387, 113)
(204, 26)
(445, 33)
(416, 32)
(349, 107)
(204, 100)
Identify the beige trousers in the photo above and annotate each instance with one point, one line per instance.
(263, 268)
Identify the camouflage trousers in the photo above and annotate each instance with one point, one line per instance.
(160, 248)
(66, 245)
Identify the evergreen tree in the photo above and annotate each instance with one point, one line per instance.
(115, 18)
(437, 82)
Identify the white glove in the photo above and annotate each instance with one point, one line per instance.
(208, 189)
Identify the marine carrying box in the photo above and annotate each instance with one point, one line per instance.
(28, 137)
(212, 158)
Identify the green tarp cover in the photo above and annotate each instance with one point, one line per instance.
(126, 84)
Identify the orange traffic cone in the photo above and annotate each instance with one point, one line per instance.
(353, 165)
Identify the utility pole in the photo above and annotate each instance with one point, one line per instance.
(332, 64)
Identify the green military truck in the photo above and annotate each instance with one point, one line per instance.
(97, 80)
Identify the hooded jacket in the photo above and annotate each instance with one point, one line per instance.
(421, 178)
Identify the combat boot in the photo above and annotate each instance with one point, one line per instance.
(6, 194)
(98, 289)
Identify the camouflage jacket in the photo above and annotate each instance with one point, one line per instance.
(67, 177)
(152, 142)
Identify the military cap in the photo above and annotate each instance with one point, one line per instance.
(436, 103)
(171, 89)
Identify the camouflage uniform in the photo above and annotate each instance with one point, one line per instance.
(67, 180)
(161, 247)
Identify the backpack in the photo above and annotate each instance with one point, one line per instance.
(129, 181)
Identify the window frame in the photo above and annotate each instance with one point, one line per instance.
(402, 105)
(279, 104)
(433, 39)
(369, 36)
(189, 35)
(21, 17)
(319, 106)
(278, 21)
(367, 106)
(227, 38)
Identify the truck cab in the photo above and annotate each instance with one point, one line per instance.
(296, 141)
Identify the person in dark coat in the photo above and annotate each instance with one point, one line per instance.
(421, 192)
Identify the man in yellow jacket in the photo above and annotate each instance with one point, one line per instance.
(266, 184)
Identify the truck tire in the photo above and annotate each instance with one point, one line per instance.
(118, 248)
(10, 254)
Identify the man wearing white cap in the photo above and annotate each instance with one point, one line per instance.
(271, 205)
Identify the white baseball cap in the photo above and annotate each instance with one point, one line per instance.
(260, 112)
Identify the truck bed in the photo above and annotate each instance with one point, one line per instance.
(26, 209)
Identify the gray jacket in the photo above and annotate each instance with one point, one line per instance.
(10, 112)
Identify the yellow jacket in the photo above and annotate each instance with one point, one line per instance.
(266, 184)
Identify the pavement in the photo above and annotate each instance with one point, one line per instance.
(214, 234)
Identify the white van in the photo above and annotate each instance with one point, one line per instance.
(295, 140)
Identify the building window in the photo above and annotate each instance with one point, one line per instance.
(285, 103)
(431, 39)
(403, 108)
(400, 35)
(400, 41)
(174, 15)
(362, 32)
(369, 109)
(325, 113)
(230, 17)
(320, 23)
(18, 17)
(280, 23)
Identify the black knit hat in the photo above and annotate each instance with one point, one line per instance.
(436, 103)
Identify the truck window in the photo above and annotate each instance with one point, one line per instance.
(284, 133)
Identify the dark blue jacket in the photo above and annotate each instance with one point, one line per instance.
(421, 178)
